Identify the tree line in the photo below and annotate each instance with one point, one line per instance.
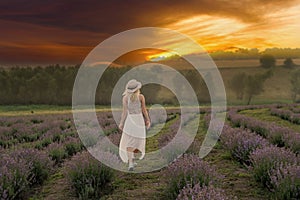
(241, 53)
(53, 85)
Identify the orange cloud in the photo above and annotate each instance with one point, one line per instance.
(278, 29)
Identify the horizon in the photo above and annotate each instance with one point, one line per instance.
(137, 57)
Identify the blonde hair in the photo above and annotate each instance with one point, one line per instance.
(135, 95)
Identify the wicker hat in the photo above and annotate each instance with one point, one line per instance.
(132, 86)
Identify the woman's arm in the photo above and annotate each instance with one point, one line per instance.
(144, 110)
(124, 113)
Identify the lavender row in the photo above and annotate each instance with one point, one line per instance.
(171, 132)
(28, 129)
(277, 135)
(274, 167)
(45, 129)
(295, 109)
(286, 115)
(239, 142)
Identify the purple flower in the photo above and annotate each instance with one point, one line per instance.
(89, 177)
(285, 181)
(241, 143)
(188, 169)
(267, 159)
(200, 193)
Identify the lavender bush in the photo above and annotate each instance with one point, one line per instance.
(202, 193)
(42, 165)
(285, 181)
(241, 143)
(267, 159)
(72, 146)
(295, 118)
(188, 169)
(20, 169)
(43, 143)
(15, 177)
(57, 152)
(292, 141)
(88, 177)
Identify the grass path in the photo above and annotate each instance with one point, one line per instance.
(237, 180)
(56, 187)
(144, 186)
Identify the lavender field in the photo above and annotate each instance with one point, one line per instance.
(256, 157)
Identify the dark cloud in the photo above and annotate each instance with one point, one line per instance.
(114, 16)
(69, 24)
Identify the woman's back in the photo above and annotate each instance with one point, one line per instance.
(134, 105)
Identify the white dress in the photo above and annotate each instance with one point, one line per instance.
(134, 130)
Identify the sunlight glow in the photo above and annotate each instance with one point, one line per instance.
(279, 29)
(160, 56)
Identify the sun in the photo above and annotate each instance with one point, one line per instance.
(160, 56)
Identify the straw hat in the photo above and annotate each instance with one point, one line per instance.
(132, 86)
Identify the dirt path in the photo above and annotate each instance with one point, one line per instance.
(138, 186)
(55, 188)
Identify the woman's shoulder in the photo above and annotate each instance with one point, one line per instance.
(141, 96)
(125, 98)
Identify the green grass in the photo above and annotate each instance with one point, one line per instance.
(152, 142)
(16, 110)
(56, 187)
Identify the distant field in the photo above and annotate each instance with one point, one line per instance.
(181, 64)
(16, 110)
(276, 89)
(247, 63)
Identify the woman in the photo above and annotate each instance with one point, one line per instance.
(132, 123)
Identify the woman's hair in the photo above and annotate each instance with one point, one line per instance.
(135, 95)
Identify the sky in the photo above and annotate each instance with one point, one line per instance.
(64, 32)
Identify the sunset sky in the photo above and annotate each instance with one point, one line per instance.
(61, 31)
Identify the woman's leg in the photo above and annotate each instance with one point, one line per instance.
(130, 152)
